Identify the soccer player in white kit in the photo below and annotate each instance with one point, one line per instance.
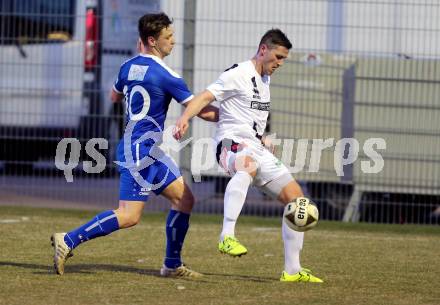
(242, 150)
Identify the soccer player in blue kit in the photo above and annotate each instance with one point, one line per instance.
(148, 86)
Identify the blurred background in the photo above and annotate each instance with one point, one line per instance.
(358, 69)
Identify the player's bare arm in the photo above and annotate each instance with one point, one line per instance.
(209, 113)
(116, 97)
(194, 107)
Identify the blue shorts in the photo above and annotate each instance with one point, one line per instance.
(135, 182)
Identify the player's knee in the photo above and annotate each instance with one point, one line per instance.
(130, 222)
(188, 201)
(185, 203)
(128, 219)
(291, 191)
(134, 219)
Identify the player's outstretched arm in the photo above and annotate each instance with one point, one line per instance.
(209, 113)
(193, 108)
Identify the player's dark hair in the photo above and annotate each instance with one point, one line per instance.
(275, 37)
(151, 25)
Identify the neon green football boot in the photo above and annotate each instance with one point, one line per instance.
(231, 246)
(303, 276)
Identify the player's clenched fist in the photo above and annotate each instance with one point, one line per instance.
(181, 127)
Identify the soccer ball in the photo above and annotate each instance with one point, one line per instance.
(301, 214)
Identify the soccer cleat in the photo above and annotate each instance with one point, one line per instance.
(303, 276)
(231, 246)
(179, 272)
(61, 252)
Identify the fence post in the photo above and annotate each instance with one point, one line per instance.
(189, 32)
(347, 131)
(347, 117)
(352, 211)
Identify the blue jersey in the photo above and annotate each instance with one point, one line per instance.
(149, 85)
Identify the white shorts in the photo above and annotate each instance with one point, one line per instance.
(269, 167)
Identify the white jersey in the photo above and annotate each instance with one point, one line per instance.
(244, 99)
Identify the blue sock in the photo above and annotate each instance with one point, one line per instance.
(103, 224)
(176, 228)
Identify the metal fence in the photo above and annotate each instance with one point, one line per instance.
(360, 69)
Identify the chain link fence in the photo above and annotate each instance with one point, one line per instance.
(359, 70)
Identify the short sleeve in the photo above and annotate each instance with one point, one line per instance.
(178, 89)
(224, 87)
(118, 86)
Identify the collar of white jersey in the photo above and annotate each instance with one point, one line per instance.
(265, 78)
(162, 63)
